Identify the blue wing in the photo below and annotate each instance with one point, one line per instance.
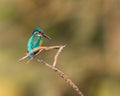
(33, 42)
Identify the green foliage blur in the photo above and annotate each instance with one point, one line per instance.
(91, 30)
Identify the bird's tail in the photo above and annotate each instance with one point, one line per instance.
(30, 55)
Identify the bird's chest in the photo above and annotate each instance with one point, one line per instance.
(36, 40)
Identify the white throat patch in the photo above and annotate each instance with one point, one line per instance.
(37, 34)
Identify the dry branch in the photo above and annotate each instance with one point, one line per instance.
(40, 49)
(59, 72)
(65, 77)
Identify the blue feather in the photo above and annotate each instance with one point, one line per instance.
(33, 42)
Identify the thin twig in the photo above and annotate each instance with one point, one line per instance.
(24, 57)
(40, 49)
(56, 56)
(65, 77)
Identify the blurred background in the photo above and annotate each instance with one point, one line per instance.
(91, 30)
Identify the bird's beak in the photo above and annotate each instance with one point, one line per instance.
(46, 36)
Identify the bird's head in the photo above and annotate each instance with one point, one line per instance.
(40, 32)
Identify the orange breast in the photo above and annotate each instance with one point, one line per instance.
(41, 43)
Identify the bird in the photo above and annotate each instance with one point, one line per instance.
(35, 41)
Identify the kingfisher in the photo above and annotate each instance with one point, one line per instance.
(36, 41)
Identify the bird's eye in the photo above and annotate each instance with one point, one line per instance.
(41, 33)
